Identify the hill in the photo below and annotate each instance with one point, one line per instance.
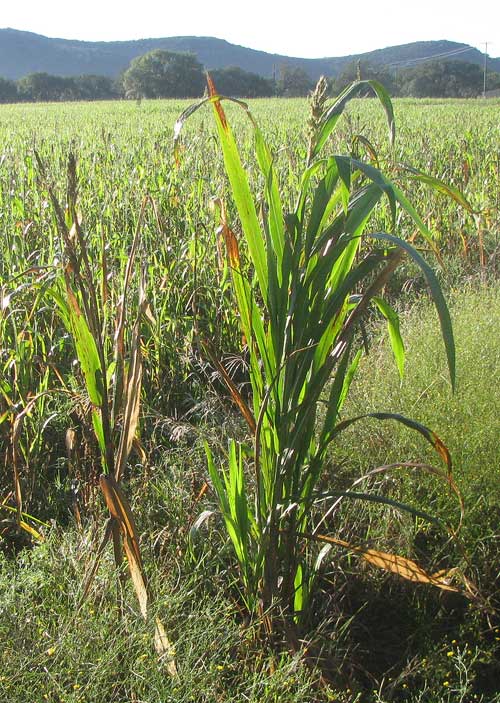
(24, 52)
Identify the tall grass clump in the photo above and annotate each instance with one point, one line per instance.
(107, 344)
(304, 282)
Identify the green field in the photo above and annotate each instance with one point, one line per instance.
(125, 343)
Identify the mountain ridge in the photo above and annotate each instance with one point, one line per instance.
(23, 52)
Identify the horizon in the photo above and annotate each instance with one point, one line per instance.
(317, 33)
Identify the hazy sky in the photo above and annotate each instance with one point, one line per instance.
(311, 28)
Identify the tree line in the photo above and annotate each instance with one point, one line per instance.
(167, 74)
(430, 79)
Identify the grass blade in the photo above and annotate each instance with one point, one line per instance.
(241, 191)
(437, 296)
(394, 332)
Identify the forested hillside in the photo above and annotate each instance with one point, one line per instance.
(22, 53)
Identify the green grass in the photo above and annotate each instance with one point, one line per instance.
(50, 651)
(468, 421)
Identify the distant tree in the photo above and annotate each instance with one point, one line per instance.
(445, 79)
(294, 82)
(8, 91)
(42, 87)
(164, 74)
(90, 87)
(493, 81)
(366, 71)
(236, 82)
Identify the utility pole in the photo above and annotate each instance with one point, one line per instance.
(485, 67)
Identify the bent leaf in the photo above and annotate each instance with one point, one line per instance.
(429, 435)
(396, 564)
(437, 296)
(439, 186)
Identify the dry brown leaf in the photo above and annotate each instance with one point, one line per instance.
(236, 395)
(212, 91)
(164, 648)
(120, 510)
(31, 530)
(396, 564)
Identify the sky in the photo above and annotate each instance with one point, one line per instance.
(307, 29)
